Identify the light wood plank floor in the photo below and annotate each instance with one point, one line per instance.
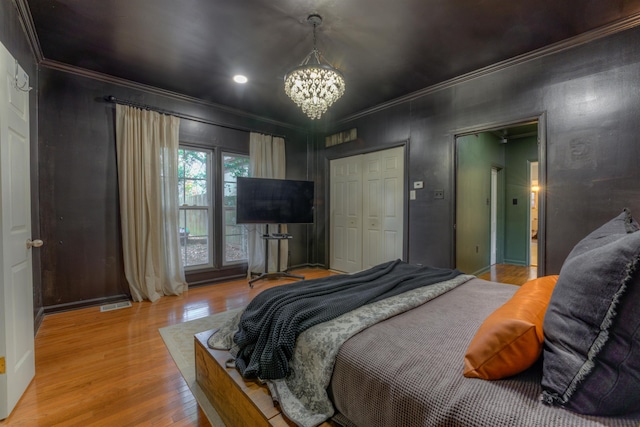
(513, 274)
(112, 368)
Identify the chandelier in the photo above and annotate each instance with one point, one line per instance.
(312, 85)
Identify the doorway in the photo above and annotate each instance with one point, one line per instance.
(497, 211)
(533, 213)
(495, 171)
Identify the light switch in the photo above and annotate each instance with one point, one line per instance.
(418, 184)
(412, 194)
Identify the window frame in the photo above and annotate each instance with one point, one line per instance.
(210, 182)
(224, 209)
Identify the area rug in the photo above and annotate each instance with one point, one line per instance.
(179, 341)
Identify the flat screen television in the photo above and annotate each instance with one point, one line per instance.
(274, 201)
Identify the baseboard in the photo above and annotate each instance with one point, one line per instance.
(37, 320)
(84, 304)
(307, 265)
(516, 262)
(213, 281)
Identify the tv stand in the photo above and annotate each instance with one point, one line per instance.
(279, 236)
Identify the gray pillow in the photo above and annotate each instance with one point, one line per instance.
(591, 356)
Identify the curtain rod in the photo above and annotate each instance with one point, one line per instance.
(114, 100)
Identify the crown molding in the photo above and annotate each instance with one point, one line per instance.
(26, 20)
(615, 27)
(107, 78)
(629, 22)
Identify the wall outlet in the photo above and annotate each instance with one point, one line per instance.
(412, 195)
(418, 184)
(438, 194)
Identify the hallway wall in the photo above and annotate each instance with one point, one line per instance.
(476, 155)
(518, 154)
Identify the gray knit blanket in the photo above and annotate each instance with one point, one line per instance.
(267, 331)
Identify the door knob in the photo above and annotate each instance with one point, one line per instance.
(34, 243)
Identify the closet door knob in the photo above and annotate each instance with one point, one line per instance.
(34, 243)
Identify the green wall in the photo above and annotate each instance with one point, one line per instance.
(518, 155)
(476, 155)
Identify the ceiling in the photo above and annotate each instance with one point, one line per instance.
(385, 49)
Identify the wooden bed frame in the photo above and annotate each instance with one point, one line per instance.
(239, 402)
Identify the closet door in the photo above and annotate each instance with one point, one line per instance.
(346, 214)
(383, 206)
(367, 210)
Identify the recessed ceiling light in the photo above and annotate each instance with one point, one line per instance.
(239, 78)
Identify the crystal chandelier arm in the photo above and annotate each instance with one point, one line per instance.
(306, 59)
(318, 56)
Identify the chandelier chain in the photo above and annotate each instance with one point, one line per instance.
(314, 36)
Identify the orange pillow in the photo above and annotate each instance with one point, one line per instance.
(510, 339)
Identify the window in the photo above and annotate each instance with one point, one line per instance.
(195, 207)
(196, 211)
(235, 236)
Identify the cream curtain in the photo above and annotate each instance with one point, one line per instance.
(147, 151)
(266, 160)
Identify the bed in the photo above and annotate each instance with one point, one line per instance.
(406, 369)
(423, 385)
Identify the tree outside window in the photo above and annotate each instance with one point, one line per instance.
(195, 207)
(235, 236)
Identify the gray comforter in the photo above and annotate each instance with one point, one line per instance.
(407, 372)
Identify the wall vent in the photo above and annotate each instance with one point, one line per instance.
(341, 137)
(115, 306)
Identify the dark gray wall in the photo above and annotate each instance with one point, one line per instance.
(82, 262)
(588, 97)
(13, 37)
(590, 100)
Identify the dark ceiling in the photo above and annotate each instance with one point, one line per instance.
(386, 49)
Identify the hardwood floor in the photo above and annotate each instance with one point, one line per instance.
(507, 273)
(112, 368)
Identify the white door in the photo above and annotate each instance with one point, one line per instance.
(17, 362)
(346, 212)
(494, 216)
(383, 206)
(533, 214)
(367, 210)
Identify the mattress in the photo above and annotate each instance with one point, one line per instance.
(407, 371)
